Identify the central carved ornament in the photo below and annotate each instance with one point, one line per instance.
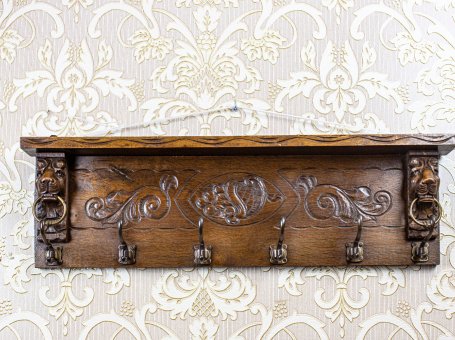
(236, 200)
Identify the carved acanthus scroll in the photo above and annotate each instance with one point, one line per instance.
(146, 202)
(324, 201)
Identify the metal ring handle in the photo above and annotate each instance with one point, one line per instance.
(48, 198)
(411, 214)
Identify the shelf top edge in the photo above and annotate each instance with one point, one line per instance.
(354, 143)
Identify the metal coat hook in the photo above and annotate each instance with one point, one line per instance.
(202, 254)
(278, 254)
(420, 251)
(126, 253)
(354, 250)
(54, 255)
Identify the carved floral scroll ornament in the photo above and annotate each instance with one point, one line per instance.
(324, 201)
(236, 199)
(146, 202)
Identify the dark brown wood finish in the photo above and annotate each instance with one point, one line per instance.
(158, 188)
(305, 144)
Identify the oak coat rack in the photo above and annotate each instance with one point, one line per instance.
(315, 200)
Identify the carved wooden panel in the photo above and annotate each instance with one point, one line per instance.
(145, 210)
(160, 200)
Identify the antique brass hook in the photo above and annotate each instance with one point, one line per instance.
(53, 255)
(354, 250)
(278, 254)
(126, 253)
(202, 254)
(420, 251)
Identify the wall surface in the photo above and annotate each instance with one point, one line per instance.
(86, 67)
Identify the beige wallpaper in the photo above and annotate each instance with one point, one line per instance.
(86, 67)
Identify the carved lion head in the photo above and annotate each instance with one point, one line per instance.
(424, 181)
(50, 178)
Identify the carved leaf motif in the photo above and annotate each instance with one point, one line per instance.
(236, 199)
(323, 201)
(148, 202)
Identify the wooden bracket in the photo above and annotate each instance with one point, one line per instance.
(51, 206)
(422, 188)
(52, 180)
(142, 201)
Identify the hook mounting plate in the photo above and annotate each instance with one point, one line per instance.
(127, 254)
(420, 252)
(279, 255)
(54, 256)
(354, 252)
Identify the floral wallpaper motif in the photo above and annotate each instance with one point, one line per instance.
(151, 67)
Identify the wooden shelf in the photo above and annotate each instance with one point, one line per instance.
(241, 187)
(301, 144)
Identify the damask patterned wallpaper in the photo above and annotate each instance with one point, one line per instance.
(86, 67)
